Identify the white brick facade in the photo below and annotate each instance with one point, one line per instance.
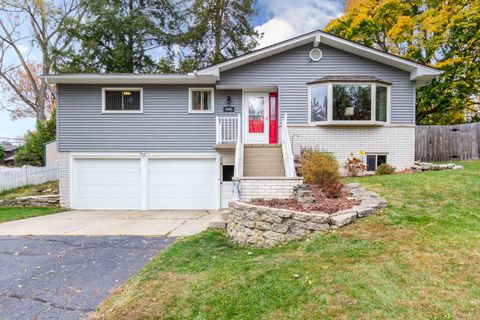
(267, 188)
(397, 142)
(64, 178)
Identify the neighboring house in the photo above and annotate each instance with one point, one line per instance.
(50, 152)
(10, 150)
(175, 141)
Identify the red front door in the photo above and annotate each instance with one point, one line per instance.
(273, 123)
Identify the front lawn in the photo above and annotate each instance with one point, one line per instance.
(420, 259)
(9, 214)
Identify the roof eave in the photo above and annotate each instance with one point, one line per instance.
(321, 37)
(130, 79)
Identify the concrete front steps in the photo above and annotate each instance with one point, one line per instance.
(263, 160)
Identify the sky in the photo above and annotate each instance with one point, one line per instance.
(277, 20)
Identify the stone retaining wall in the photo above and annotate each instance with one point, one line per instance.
(33, 201)
(250, 224)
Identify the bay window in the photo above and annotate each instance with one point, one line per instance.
(348, 102)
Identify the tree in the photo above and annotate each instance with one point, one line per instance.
(2, 153)
(38, 24)
(440, 33)
(117, 35)
(219, 29)
(26, 106)
(32, 152)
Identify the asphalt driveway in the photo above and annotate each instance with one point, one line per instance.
(66, 277)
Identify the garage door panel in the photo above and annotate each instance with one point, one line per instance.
(107, 184)
(181, 183)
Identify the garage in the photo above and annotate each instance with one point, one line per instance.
(164, 183)
(182, 184)
(107, 184)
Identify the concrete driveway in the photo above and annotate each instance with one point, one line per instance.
(64, 277)
(107, 223)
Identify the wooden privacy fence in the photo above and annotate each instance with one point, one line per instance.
(18, 177)
(447, 143)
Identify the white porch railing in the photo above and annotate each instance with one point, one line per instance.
(228, 129)
(287, 150)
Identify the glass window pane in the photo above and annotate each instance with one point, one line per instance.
(352, 102)
(196, 100)
(113, 100)
(381, 159)
(255, 114)
(273, 108)
(381, 103)
(207, 98)
(227, 172)
(319, 103)
(131, 100)
(371, 162)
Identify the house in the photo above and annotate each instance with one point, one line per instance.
(183, 141)
(9, 157)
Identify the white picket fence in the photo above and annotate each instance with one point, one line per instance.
(11, 178)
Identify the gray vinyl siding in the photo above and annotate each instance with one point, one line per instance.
(292, 69)
(164, 126)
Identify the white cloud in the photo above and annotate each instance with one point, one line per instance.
(291, 18)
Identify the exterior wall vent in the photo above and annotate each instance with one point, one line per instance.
(315, 54)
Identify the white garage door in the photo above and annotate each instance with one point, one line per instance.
(181, 184)
(107, 184)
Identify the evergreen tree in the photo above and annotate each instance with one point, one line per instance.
(117, 36)
(218, 30)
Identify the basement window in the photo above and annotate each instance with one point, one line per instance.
(374, 160)
(122, 100)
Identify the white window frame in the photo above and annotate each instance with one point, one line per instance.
(190, 105)
(373, 112)
(104, 110)
(376, 154)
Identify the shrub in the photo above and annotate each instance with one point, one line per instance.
(316, 166)
(2, 153)
(354, 166)
(332, 188)
(385, 168)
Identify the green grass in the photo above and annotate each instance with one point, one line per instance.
(10, 214)
(419, 259)
(30, 190)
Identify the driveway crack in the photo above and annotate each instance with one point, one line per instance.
(173, 230)
(43, 301)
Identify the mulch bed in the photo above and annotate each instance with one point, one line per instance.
(322, 203)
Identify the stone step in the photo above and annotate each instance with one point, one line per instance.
(218, 224)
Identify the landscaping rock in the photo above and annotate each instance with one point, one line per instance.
(52, 200)
(262, 226)
(343, 219)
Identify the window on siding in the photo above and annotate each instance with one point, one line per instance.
(352, 102)
(342, 102)
(381, 103)
(122, 100)
(201, 100)
(374, 160)
(319, 102)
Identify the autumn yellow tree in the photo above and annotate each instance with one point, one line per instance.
(440, 33)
